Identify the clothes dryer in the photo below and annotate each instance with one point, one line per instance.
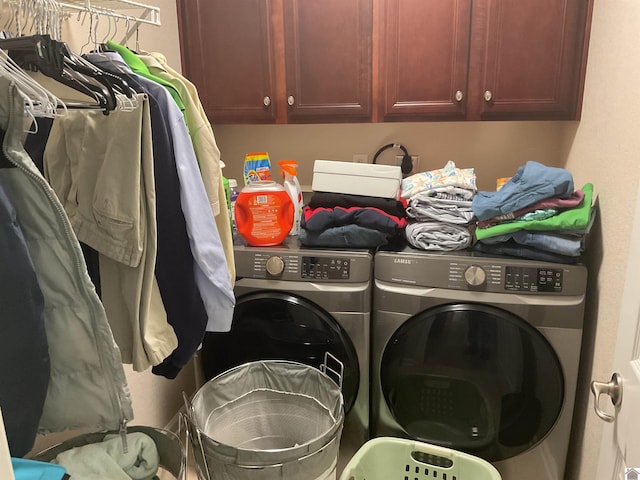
(295, 303)
(478, 354)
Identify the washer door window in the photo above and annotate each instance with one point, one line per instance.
(473, 378)
(282, 326)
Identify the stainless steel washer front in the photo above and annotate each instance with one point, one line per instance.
(295, 304)
(479, 354)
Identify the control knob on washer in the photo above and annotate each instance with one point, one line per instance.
(475, 276)
(275, 266)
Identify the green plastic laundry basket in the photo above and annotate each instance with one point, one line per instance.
(387, 458)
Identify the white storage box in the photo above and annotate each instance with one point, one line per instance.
(356, 178)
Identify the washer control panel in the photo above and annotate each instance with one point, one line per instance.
(304, 266)
(326, 268)
(530, 279)
(265, 264)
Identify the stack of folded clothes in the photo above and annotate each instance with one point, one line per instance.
(537, 215)
(439, 208)
(350, 221)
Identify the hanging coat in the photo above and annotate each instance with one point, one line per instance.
(87, 386)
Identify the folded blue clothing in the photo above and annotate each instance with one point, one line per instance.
(569, 245)
(512, 249)
(531, 183)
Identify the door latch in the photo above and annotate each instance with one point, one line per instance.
(613, 389)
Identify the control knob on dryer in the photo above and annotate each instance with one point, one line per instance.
(275, 266)
(475, 276)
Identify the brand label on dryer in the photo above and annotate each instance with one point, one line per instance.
(403, 261)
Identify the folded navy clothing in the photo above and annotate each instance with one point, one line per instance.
(319, 219)
(346, 236)
(531, 183)
(331, 200)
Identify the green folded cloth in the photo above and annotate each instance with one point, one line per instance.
(106, 460)
(573, 219)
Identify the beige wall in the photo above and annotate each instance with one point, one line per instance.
(493, 149)
(606, 149)
(602, 148)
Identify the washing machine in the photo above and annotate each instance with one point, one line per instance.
(479, 354)
(295, 303)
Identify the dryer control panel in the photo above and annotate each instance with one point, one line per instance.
(468, 272)
(531, 279)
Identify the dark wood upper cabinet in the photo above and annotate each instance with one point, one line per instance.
(424, 59)
(322, 61)
(279, 61)
(483, 59)
(228, 53)
(328, 59)
(528, 58)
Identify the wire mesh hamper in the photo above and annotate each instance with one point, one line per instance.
(386, 458)
(267, 420)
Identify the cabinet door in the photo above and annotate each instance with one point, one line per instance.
(328, 60)
(530, 58)
(227, 52)
(424, 50)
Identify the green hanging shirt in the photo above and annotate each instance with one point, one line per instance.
(573, 219)
(139, 67)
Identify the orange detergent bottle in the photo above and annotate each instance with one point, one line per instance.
(264, 213)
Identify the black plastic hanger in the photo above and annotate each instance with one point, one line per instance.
(55, 60)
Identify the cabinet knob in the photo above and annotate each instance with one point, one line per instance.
(266, 101)
(459, 96)
(488, 95)
(291, 100)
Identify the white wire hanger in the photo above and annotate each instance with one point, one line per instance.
(38, 101)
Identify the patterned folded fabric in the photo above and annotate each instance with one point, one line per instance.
(436, 180)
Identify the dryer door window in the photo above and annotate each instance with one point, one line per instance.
(281, 326)
(473, 378)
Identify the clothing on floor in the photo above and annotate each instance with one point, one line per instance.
(108, 460)
(26, 469)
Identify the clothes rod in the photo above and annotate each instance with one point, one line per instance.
(149, 15)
